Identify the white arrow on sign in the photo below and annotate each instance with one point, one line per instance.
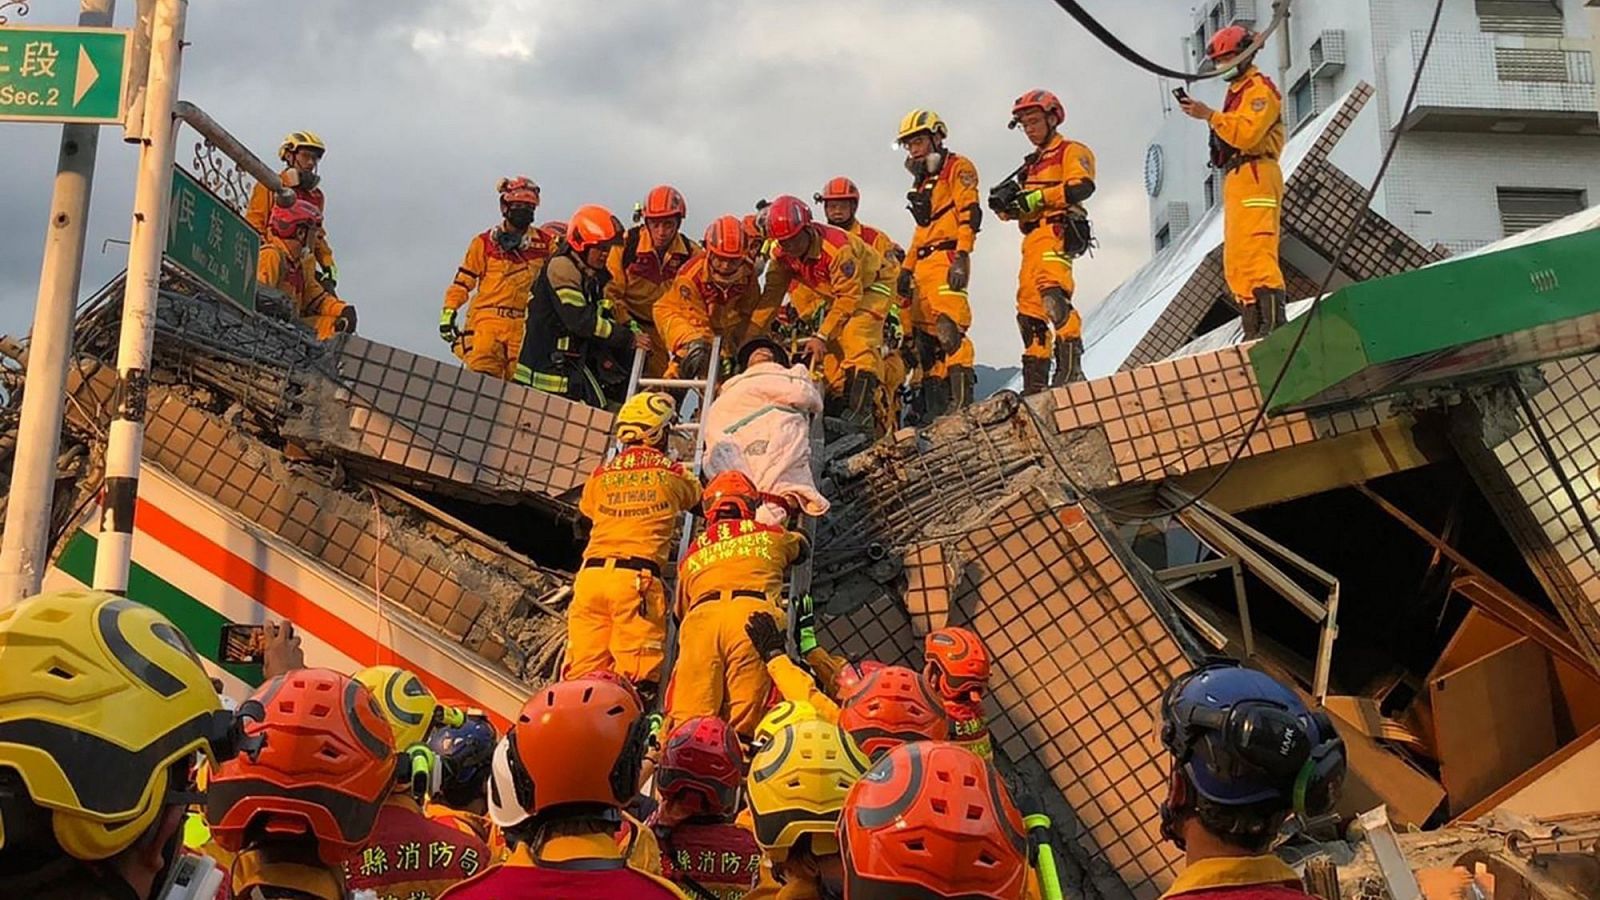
(87, 76)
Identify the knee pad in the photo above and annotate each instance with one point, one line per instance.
(346, 321)
(950, 334)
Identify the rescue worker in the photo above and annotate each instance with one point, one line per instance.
(407, 854)
(938, 266)
(618, 616)
(297, 809)
(715, 294)
(560, 778)
(782, 714)
(644, 266)
(1247, 136)
(892, 707)
(796, 685)
(735, 567)
(1045, 197)
(301, 152)
(842, 289)
(699, 783)
(1246, 753)
(285, 265)
(572, 340)
(840, 198)
(462, 799)
(495, 280)
(956, 669)
(933, 820)
(104, 709)
(896, 369)
(797, 787)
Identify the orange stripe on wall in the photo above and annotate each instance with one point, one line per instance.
(282, 599)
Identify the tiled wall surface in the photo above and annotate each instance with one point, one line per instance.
(441, 422)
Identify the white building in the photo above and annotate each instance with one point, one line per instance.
(1503, 137)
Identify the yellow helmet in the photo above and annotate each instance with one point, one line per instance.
(300, 140)
(405, 701)
(102, 700)
(919, 120)
(645, 418)
(797, 786)
(784, 714)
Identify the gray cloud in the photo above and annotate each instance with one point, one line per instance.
(425, 104)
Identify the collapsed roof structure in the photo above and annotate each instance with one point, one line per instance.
(1413, 554)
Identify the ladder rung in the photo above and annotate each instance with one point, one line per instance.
(672, 383)
(686, 426)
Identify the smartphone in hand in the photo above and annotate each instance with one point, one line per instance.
(1180, 94)
(242, 643)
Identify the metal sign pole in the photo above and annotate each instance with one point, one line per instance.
(152, 197)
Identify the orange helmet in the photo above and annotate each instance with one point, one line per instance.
(702, 758)
(611, 677)
(1228, 41)
(725, 237)
(519, 189)
(840, 188)
(956, 664)
(575, 742)
(730, 495)
(786, 217)
(932, 819)
(1042, 100)
(663, 202)
(593, 226)
(893, 707)
(324, 768)
(285, 221)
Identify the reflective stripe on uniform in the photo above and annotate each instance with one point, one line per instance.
(951, 292)
(882, 288)
(550, 384)
(1263, 202)
(571, 296)
(1055, 256)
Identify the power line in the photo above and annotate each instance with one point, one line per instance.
(1280, 13)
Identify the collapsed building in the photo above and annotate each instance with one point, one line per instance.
(1404, 534)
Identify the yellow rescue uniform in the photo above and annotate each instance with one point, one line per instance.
(952, 227)
(1057, 166)
(699, 307)
(259, 211)
(1248, 137)
(640, 275)
(618, 616)
(497, 283)
(732, 570)
(295, 275)
(843, 288)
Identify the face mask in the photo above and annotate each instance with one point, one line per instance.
(519, 217)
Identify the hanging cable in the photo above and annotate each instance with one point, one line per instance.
(1280, 13)
(1130, 517)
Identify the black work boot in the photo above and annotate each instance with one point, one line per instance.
(1273, 304)
(1250, 320)
(1069, 361)
(860, 407)
(935, 398)
(963, 381)
(1035, 375)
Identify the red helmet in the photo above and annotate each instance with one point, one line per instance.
(702, 758)
(663, 202)
(851, 676)
(840, 188)
(1229, 41)
(730, 495)
(611, 677)
(578, 741)
(1040, 99)
(787, 217)
(593, 226)
(955, 663)
(324, 768)
(725, 237)
(285, 221)
(520, 189)
(555, 231)
(892, 708)
(932, 819)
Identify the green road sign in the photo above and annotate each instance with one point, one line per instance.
(62, 74)
(210, 242)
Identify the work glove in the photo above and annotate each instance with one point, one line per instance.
(765, 635)
(1056, 305)
(696, 357)
(959, 271)
(447, 326)
(1031, 202)
(803, 624)
(904, 285)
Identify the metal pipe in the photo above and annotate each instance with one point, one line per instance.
(196, 118)
(151, 199)
(25, 547)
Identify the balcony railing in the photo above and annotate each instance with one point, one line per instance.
(1500, 82)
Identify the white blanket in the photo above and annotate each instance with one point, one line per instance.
(760, 424)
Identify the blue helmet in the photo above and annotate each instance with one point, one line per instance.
(1242, 738)
(465, 754)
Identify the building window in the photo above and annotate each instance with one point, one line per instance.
(1163, 237)
(1540, 17)
(1302, 102)
(1525, 208)
(1211, 190)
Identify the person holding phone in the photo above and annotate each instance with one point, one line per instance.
(1247, 135)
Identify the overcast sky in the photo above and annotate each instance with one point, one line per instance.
(425, 104)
